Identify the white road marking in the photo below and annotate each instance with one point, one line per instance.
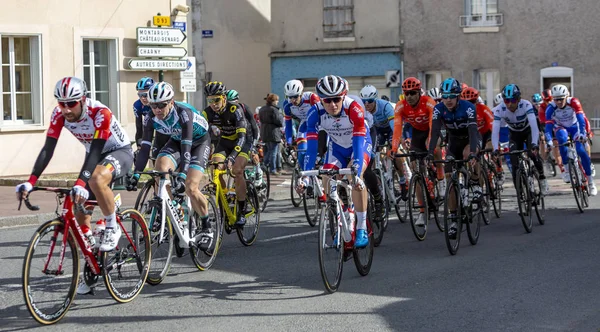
(285, 237)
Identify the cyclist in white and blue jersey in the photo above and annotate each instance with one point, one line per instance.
(383, 114)
(141, 109)
(188, 148)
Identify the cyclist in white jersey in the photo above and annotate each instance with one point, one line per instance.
(523, 129)
(108, 155)
(299, 103)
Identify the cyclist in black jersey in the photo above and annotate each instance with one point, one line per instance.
(252, 131)
(227, 121)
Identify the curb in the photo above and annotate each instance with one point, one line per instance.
(35, 219)
(42, 183)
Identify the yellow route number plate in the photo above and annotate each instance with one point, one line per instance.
(160, 21)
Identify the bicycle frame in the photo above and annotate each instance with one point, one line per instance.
(221, 199)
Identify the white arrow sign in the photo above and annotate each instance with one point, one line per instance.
(188, 85)
(157, 64)
(157, 51)
(160, 36)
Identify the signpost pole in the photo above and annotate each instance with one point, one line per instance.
(161, 73)
(198, 52)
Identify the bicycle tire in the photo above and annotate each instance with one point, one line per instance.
(363, 257)
(452, 244)
(434, 207)
(552, 166)
(249, 232)
(474, 215)
(162, 251)
(329, 232)
(413, 204)
(539, 203)
(523, 201)
(131, 248)
(265, 191)
(487, 196)
(294, 184)
(577, 192)
(311, 211)
(585, 188)
(401, 206)
(142, 198)
(377, 227)
(37, 308)
(205, 259)
(497, 201)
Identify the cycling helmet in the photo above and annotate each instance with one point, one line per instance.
(386, 98)
(160, 92)
(411, 83)
(450, 85)
(331, 86)
(293, 88)
(434, 93)
(498, 99)
(511, 91)
(470, 94)
(215, 89)
(368, 92)
(536, 98)
(70, 89)
(560, 90)
(144, 83)
(232, 95)
(547, 95)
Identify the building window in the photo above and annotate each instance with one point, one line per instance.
(481, 13)
(21, 80)
(488, 84)
(433, 79)
(338, 18)
(100, 71)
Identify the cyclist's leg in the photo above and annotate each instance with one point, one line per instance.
(360, 199)
(419, 144)
(240, 182)
(537, 161)
(197, 175)
(586, 162)
(221, 150)
(322, 143)
(516, 141)
(561, 137)
(301, 142)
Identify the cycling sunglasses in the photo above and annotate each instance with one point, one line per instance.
(293, 97)
(143, 94)
(214, 100)
(510, 100)
(368, 101)
(158, 105)
(411, 93)
(559, 99)
(331, 100)
(449, 96)
(68, 104)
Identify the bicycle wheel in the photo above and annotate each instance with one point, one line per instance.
(418, 205)
(142, 200)
(49, 292)
(538, 199)
(376, 227)
(524, 201)
(363, 258)
(265, 188)
(452, 243)
(475, 213)
(161, 247)
(249, 232)
(126, 268)
(584, 187)
(331, 249)
(434, 207)
(552, 164)
(312, 206)
(204, 259)
(296, 198)
(401, 206)
(576, 184)
(487, 197)
(496, 194)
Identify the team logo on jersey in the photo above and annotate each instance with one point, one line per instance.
(99, 120)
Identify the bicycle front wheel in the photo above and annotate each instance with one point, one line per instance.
(296, 198)
(48, 291)
(400, 205)
(312, 206)
(126, 267)
(475, 213)
(265, 189)
(331, 249)
(452, 219)
(248, 233)
(363, 258)
(417, 202)
(538, 199)
(161, 247)
(204, 259)
(576, 179)
(524, 201)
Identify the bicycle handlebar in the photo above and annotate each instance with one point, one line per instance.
(418, 154)
(330, 172)
(58, 191)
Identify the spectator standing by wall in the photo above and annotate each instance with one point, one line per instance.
(271, 121)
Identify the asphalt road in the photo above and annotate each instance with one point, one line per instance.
(509, 281)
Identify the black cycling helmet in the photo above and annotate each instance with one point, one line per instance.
(215, 89)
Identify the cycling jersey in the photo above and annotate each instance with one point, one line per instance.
(383, 117)
(140, 111)
(542, 112)
(418, 117)
(348, 134)
(183, 123)
(569, 116)
(485, 118)
(460, 124)
(231, 122)
(300, 112)
(522, 119)
(96, 121)
(252, 129)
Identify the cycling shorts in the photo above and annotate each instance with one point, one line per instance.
(338, 157)
(225, 147)
(199, 154)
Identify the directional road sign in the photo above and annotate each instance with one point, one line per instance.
(161, 52)
(160, 36)
(157, 64)
(188, 85)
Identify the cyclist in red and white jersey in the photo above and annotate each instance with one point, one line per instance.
(108, 155)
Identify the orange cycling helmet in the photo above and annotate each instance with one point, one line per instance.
(411, 83)
(464, 86)
(546, 95)
(469, 94)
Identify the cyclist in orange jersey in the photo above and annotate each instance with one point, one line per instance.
(485, 117)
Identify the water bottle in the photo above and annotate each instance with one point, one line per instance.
(99, 231)
(259, 176)
(430, 187)
(464, 193)
(185, 214)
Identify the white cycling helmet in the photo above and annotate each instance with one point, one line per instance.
(331, 86)
(434, 93)
(293, 88)
(70, 89)
(498, 99)
(160, 92)
(560, 90)
(368, 92)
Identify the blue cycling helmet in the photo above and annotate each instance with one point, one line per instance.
(450, 85)
(511, 91)
(144, 83)
(536, 98)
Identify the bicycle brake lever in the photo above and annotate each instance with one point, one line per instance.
(29, 206)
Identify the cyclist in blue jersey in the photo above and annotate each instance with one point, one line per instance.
(141, 109)
(188, 148)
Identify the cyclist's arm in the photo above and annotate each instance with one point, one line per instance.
(549, 123)
(436, 126)
(389, 114)
(43, 159)
(359, 133)
(139, 126)
(312, 140)
(473, 131)
(576, 105)
(289, 130)
(102, 125)
(251, 121)
(535, 131)
(496, 132)
(240, 125)
(397, 129)
(186, 120)
(146, 144)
